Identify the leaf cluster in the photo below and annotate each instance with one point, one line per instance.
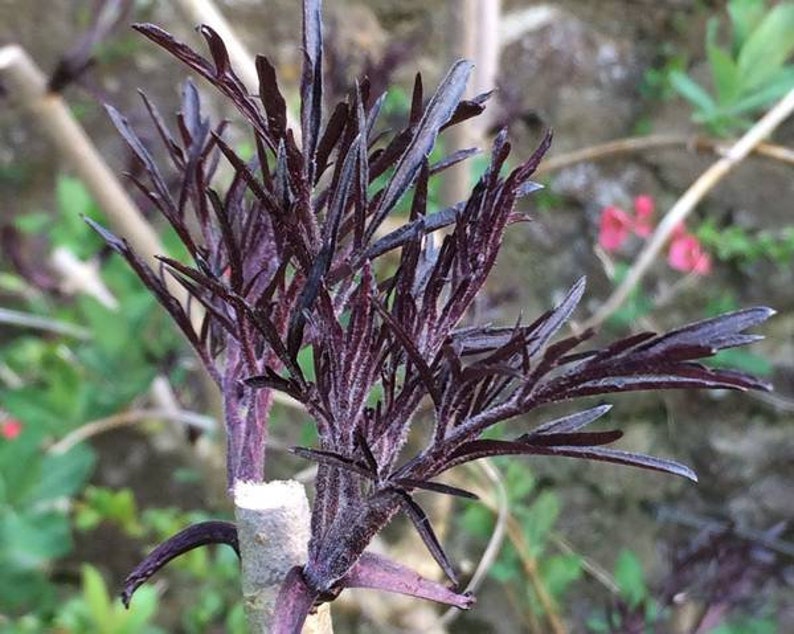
(753, 72)
(287, 257)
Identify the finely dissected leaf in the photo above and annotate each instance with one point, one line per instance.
(283, 261)
(141, 153)
(437, 113)
(550, 324)
(467, 109)
(436, 487)
(272, 100)
(225, 80)
(333, 459)
(580, 439)
(217, 49)
(412, 351)
(717, 333)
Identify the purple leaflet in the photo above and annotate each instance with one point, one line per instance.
(272, 100)
(295, 601)
(477, 449)
(201, 534)
(572, 422)
(311, 84)
(437, 113)
(422, 524)
(381, 573)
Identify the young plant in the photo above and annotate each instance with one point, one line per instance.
(286, 257)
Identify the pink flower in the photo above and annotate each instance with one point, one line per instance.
(643, 213)
(686, 254)
(10, 429)
(615, 227)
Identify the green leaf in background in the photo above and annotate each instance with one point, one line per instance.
(63, 475)
(538, 520)
(33, 223)
(97, 599)
(742, 360)
(749, 77)
(71, 231)
(20, 466)
(724, 72)
(779, 85)
(692, 92)
(72, 196)
(560, 571)
(236, 622)
(630, 578)
(101, 504)
(748, 626)
(23, 591)
(745, 16)
(507, 568)
(95, 612)
(136, 619)
(519, 480)
(767, 48)
(477, 520)
(29, 539)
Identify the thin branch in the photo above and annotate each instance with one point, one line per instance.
(591, 567)
(124, 419)
(273, 531)
(629, 145)
(704, 184)
(530, 564)
(37, 322)
(28, 86)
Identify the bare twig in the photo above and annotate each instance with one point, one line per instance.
(273, 531)
(630, 145)
(704, 184)
(28, 86)
(77, 276)
(594, 569)
(472, 33)
(131, 417)
(37, 322)
(530, 564)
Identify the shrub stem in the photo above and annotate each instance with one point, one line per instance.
(273, 529)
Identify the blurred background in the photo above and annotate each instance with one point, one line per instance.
(108, 433)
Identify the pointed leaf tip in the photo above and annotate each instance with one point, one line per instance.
(200, 534)
(381, 573)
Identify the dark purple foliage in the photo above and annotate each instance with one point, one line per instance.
(106, 17)
(722, 570)
(195, 535)
(286, 257)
